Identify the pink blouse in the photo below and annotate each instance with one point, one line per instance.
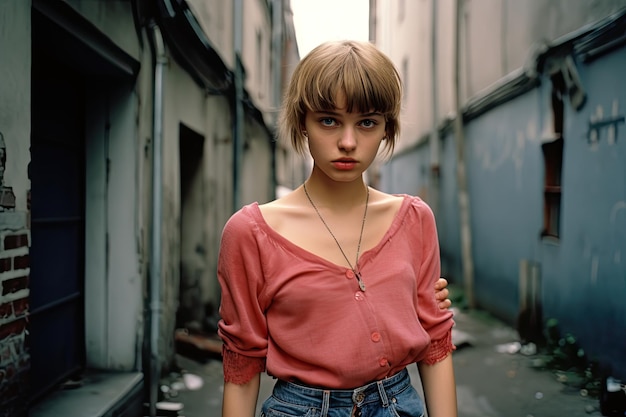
(303, 318)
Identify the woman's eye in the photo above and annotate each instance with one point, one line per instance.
(368, 123)
(327, 121)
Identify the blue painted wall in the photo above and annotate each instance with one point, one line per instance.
(407, 174)
(505, 181)
(583, 274)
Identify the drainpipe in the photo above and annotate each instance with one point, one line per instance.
(463, 194)
(435, 167)
(277, 52)
(238, 105)
(277, 55)
(157, 215)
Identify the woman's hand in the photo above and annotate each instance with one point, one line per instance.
(441, 294)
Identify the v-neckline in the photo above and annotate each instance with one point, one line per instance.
(307, 254)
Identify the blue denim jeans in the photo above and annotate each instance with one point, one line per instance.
(390, 397)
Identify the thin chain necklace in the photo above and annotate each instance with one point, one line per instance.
(358, 249)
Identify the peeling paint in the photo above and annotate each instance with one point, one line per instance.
(17, 295)
(14, 273)
(496, 154)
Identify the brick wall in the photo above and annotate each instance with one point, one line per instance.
(14, 292)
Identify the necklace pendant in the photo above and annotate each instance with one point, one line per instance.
(358, 248)
(361, 283)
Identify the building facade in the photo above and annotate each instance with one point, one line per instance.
(513, 131)
(130, 131)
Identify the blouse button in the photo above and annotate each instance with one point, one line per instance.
(383, 362)
(376, 337)
(359, 296)
(349, 274)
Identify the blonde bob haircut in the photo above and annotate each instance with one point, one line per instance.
(363, 74)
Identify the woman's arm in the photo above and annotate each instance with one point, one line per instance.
(240, 400)
(439, 388)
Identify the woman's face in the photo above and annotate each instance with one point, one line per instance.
(343, 144)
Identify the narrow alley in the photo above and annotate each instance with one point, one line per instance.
(494, 378)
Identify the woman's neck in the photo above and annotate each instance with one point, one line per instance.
(335, 195)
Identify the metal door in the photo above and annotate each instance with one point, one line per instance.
(57, 176)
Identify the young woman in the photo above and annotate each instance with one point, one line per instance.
(330, 289)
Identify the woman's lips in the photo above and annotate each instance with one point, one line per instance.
(344, 164)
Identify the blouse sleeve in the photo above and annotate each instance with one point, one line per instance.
(438, 323)
(242, 325)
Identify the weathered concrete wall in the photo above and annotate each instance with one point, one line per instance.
(14, 205)
(581, 273)
(498, 37)
(584, 276)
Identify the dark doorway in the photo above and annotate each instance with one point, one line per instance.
(57, 174)
(194, 215)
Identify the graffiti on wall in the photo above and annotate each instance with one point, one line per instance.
(598, 123)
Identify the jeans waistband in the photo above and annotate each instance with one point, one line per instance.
(377, 391)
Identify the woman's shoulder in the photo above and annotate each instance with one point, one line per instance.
(240, 221)
(399, 201)
(408, 199)
(412, 205)
(382, 198)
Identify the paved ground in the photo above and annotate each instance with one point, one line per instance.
(493, 378)
(492, 382)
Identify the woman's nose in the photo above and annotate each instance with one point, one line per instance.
(348, 139)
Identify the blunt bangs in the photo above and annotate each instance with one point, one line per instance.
(356, 71)
(348, 75)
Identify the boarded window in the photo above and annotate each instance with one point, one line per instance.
(553, 163)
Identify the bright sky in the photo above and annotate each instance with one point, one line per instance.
(317, 21)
